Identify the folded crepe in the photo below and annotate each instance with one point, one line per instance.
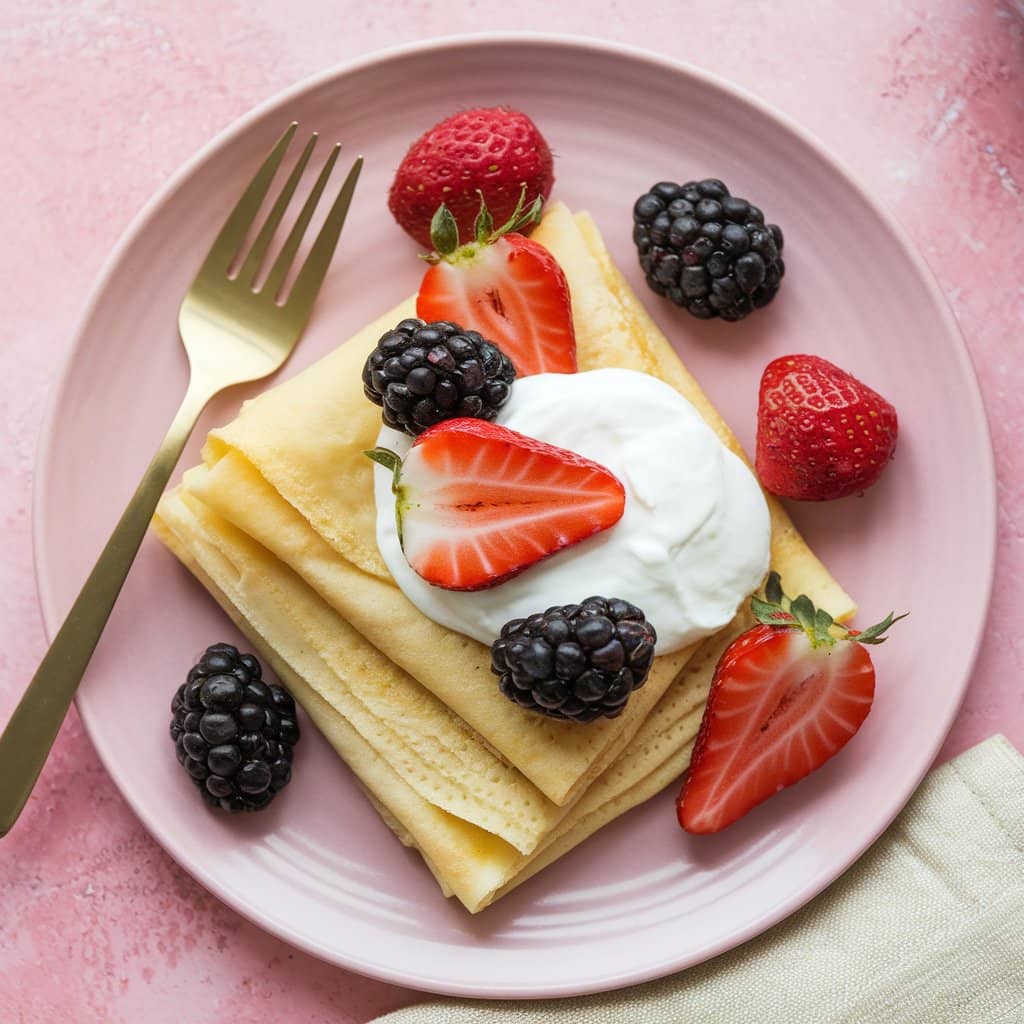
(279, 524)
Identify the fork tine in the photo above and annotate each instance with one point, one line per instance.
(279, 270)
(311, 276)
(228, 242)
(259, 246)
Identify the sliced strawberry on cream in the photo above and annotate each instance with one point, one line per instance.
(477, 503)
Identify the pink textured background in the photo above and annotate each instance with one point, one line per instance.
(923, 100)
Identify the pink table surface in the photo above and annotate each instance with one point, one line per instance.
(922, 99)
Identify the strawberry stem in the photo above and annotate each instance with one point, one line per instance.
(800, 613)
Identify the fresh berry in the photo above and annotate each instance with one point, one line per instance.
(423, 373)
(505, 286)
(706, 250)
(493, 150)
(821, 433)
(786, 696)
(233, 732)
(477, 503)
(577, 662)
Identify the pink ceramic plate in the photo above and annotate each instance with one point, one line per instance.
(640, 899)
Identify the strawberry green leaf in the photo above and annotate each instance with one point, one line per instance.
(531, 215)
(483, 227)
(770, 614)
(389, 460)
(822, 626)
(522, 215)
(873, 634)
(802, 610)
(444, 232)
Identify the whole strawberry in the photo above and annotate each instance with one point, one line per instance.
(491, 150)
(821, 433)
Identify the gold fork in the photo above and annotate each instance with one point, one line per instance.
(232, 334)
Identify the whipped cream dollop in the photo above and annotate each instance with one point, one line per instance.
(692, 543)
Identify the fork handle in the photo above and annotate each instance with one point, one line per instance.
(26, 742)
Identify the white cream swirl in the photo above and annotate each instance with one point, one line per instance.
(693, 541)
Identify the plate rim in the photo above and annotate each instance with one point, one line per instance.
(972, 398)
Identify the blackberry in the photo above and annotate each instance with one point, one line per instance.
(577, 662)
(233, 732)
(422, 373)
(706, 250)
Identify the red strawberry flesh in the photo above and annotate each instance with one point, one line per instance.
(515, 294)
(778, 709)
(479, 503)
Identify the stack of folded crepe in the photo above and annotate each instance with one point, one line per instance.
(278, 523)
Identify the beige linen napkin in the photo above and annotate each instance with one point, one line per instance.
(926, 928)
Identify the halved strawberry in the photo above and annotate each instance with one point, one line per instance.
(786, 696)
(503, 285)
(477, 503)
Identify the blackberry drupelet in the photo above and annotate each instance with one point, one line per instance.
(233, 732)
(577, 662)
(706, 250)
(422, 373)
